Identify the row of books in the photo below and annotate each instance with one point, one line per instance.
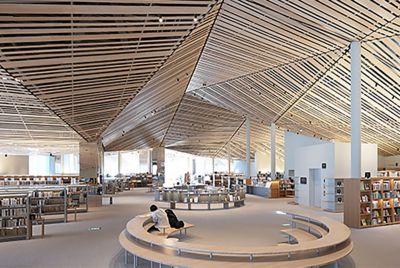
(5, 202)
(41, 194)
(14, 212)
(12, 223)
(364, 186)
(364, 199)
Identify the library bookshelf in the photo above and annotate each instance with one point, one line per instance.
(14, 220)
(372, 202)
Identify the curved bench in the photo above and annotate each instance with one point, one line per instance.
(335, 245)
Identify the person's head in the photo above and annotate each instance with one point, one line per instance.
(153, 208)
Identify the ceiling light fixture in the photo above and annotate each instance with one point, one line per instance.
(195, 19)
(160, 19)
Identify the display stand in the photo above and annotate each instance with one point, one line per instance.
(333, 195)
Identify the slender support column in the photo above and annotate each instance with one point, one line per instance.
(229, 158)
(273, 151)
(355, 109)
(247, 148)
(213, 172)
(150, 158)
(119, 162)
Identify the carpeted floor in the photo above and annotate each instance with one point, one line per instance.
(74, 245)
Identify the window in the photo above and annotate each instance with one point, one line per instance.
(39, 165)
(70, 163)
(129, 162)
(110, 164)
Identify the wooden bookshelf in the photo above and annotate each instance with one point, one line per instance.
(372, 202)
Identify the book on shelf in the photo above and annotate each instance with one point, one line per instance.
(375, 214)
(396, 185)
(364, 199)
(386, 204)
(363, 222)
(386, 186)
(395, 202)
(376, 195)
(365, 210)
(376, 186)
(375, 204)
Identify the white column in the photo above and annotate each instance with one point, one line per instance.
(273, 152)
(150, 159)
(119, 162)
(355, 109)
(247, 148)
(213, 172)
(229, 158)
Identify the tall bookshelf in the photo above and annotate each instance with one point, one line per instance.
(372, 202)
(14, 216)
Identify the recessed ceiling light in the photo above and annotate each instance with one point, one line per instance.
(160, 19)
(195, 19)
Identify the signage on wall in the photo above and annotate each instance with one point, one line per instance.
(324, 165)
(303, 180)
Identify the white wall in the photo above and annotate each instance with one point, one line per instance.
(293, 141)
(338, 165)
(389, 162)
(369, 159)
(263, 162)
(14, 165)
(310, 157)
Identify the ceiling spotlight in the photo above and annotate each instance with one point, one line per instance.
(160, 19)
(4, 78)
(195, 19)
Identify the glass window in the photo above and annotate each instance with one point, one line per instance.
(39, 165)
(129, 163)
(70, 163)
(221, 165)
(110, 164)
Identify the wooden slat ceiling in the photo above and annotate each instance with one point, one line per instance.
(282, 61)
(87, 59)
(288, 62)
(26, 122)
(166, 87)
(313, 96)
(252, 35)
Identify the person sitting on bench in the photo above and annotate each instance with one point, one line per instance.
(173, 219)
(160, 218)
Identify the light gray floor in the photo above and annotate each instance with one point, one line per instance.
(73, 245)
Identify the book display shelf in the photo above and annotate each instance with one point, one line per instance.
(14, 220)
(333, 195)
(286, 188)
(23, 180)
(372, 202)
(77, 198)
(49, 203)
